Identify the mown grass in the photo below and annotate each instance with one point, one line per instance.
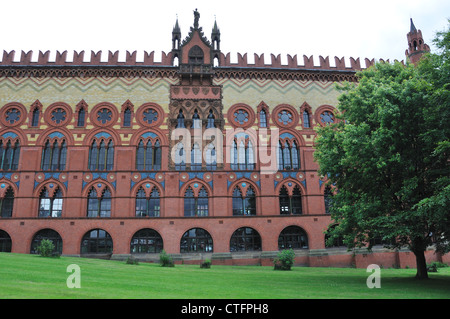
(34, 277)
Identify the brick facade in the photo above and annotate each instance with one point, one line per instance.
(119, 109)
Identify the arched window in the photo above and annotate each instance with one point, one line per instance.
(262, 118)
(196, 240)
(50, 206)
(81, 117)
(148, 207)
(127, 117)
(35, 117)
(7, 204)
(243, 206)
(5, 242)
(196, 122)
(245, 239)
(101, 156)
(210, 122)
(306, 119)
(96, 241)
(290, 204)
(48, 234)
(146, 241)
(180, 120)
(292, 237)
(196, 55)
(195, 206)
(148, 156)
(242, 154)
(99, 207)
(9, 153)
(288, 155)
(54, 156)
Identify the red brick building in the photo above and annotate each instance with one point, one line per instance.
(117, 158)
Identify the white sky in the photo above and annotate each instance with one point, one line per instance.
(342, 28)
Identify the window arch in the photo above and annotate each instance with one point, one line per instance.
(148, 206)
(242, 154)
(180, 120)
(327, 198)
(99, 206)
(7, 203)
(50, 206)
(35, 117)
(245, 239)
(292, 237)
(262, 118)
(290, 204)
(196, 158)
(180, 157)
(5, 242)
(101, 155)
(196, 122)
(127, 117)
(288, 154)
(96, 241)
(244, 206)
(196, 205)
(54, 155)
(148, 155)
(196, 55)
(196, 240)
(146, 241)
(10, 153)
(210, 123)
(211, 157)
(49, 234)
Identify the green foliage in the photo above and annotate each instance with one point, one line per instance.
(206, 264)
(165, 260)
(389, 156)
(45, 248)
(434, 266)
(132, 261)
(285, 260)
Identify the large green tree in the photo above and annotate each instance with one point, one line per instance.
(388, 156)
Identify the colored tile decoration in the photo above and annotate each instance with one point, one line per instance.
(58, 115)
(104, 115)
(12, 116)
(241, 117)
(150, 115)
(327, 117)
(285, 117)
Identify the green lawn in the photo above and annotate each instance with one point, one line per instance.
(32, 276)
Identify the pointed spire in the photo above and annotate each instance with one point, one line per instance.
(413, 27)
(215, 28)
(176, 28)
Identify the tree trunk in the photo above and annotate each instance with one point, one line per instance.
(421, 264)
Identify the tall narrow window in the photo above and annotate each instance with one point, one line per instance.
(127, 117)
(196, 158)
(54, 156)
(288, 155)
(211, 159)
(202, 203)
(189, 203)
(180, 120)
(262, 119)
(306, 123)
(180, 158)
(196, 122)
(9, 155)
(7, 204)
(81, 117)
(210, 122)
(35, 118)
(234, 156)
(328, 198)
(101, 157)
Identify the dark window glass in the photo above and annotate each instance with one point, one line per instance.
(292, 237)
(245, 239)
(146, 241)
(196, 240)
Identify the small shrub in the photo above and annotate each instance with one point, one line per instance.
(433, 267)
(165, 260)
(206, 264)
(285, 260)
(45, 248)
(132, 261)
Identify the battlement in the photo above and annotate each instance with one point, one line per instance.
(112, 59)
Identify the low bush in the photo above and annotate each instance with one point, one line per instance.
(206, 264)
(285, 260)
(46, 247)
(165, 260)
